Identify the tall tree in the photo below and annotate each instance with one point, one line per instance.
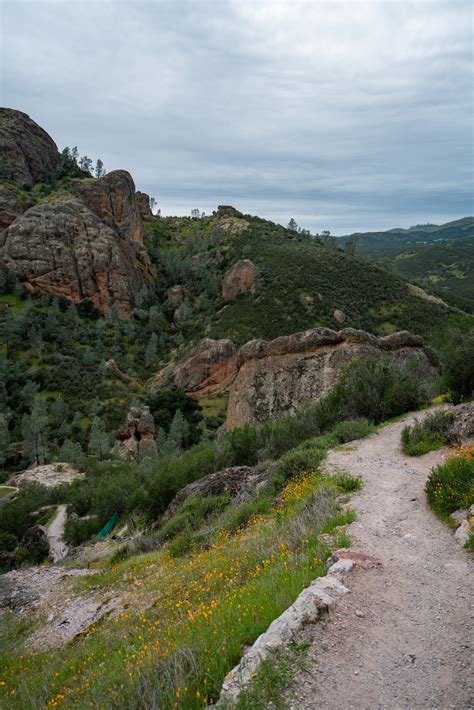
(4, 440)
(151, 350)
(98, 439)
(35, 432)
(99, 168)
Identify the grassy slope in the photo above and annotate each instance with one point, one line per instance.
(439, 258)
(302, 282)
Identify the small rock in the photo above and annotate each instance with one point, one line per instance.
(359, 613)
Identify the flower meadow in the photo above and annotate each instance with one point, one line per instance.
(183, 622)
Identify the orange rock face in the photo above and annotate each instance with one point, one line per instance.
(239, 279)
(114, 201)
(207, 369)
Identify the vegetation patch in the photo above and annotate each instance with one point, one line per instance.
(451, 484)
(429, 434)
(202, 610)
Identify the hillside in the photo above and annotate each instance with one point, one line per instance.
(437, 257)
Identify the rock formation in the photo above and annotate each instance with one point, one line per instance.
(226, 211)
(10, 206)
(27, 151)
(208, 368)
(339, 316)
(143, 202)
(240, 278)
(240, 483)
(114, 201)
(281, 375)
(86, 246)
(137, 433)
(421, 293)
(176, 295)
(62, 248)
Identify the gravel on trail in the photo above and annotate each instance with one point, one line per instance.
(401, 639)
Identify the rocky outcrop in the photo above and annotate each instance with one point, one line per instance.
(339, 316)
(113, 199)
(421, 293)
(49, 475)
(462, 425)
(176, 295)
(226, 211)
(240, 483)
(137, 433)
(281, 375)
(240, 278)
(143, 202)
(27, 151)
(62, 248)
(208, 368)
(10, 206)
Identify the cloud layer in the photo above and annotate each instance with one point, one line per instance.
(344, 115)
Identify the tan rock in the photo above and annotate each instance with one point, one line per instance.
(114, 201)
(143, 202)
(137, 433)
(421, 293)
(240, 278)
(62, 248)
(281, 375)
(177, 294)
(339, 316)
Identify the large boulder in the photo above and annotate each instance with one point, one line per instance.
(462, 426)
(143, 202)
(27, 151)
(281, 375)
(137, 433)
(240, 278)
(62, 248)
(114, 201)
(240, 483)
(35, 544)
(207, 369)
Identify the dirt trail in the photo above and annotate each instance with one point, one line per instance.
(58, 549)
(401, 638)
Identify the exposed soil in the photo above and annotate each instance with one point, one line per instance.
(401, 639)
(57, 547)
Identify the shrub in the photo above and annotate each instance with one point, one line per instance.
(8, 541)
(302, 458)
(78, 531)
(351, 429)
(374, 389)
(427, 435)
(180, 545)
(449, 486)
(237, 517)
(192, 513)
(458, 360)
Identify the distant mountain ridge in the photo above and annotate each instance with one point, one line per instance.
(438, 257)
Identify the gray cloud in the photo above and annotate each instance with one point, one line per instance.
(345, 115)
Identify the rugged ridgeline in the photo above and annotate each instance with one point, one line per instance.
(83, 244)
(267, 379)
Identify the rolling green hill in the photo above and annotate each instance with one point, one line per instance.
(437, 257)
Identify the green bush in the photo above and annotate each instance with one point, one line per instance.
(180, 545)
(351, 429)
(237, 517)
(192, 513)
(8, 541)
(78, 531)
(302, 458)
(429, 434)
(450, 485)
(458, 359)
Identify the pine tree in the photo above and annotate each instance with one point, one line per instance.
(35, 432)
(4, 440)
(71, 452)
(151, 350)
(98, 439)
(179, 431)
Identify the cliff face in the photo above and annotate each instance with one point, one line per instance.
(281, 375)
(62, 248)
(86, 246)
(28, 152)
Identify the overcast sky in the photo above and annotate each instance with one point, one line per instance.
(344, 115)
